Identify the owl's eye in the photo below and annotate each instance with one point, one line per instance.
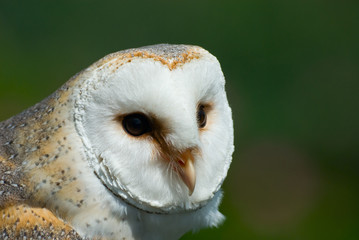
(136, 124)
(201, 117)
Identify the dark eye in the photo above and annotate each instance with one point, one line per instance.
(136, 124)
(201, 117)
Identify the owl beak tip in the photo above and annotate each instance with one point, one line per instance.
(188, 175)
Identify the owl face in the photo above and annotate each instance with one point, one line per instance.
(157, 130)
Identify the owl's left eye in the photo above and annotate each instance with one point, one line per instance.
(136, 124)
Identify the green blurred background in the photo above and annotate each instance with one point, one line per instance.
(292, 70)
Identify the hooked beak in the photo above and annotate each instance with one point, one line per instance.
(186, 170)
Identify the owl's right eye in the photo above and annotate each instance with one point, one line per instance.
(201, 117)
(136, 124)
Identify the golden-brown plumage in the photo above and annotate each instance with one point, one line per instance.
(18, 222)
(34, 149)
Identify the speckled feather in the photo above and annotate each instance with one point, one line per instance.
(34, 151)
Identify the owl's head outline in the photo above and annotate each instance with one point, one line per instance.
(168, 85)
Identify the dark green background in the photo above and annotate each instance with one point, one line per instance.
(292, 70)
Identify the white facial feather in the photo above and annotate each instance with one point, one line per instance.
(149, 87)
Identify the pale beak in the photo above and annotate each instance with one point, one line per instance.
(186, 170)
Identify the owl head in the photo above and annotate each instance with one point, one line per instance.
(156, 126)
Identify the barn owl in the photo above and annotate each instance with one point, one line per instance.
(136, 146)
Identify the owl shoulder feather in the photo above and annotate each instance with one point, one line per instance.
(18, 222)
(18, 219)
